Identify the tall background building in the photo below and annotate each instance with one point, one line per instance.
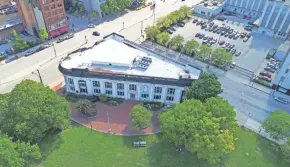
(49, 14)
(253, 8)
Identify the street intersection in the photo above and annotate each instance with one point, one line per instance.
(247, 100)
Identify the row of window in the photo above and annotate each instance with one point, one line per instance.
(120, 89)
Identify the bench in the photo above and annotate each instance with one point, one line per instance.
(139, 144)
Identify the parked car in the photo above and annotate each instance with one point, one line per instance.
(269, 69)
(233, 51)
(48, 45)
(181, 24)
(263, 73)
(30, 52)
(221, 42)
(232, 46)
(197, 34)
(172, 28)
(221, 18)
(201, 36)
(69, 36)
(168, 30)
(238, 54)
(211, 24)
(281, 100)
(195, 21)
(60, 40)
(245, 39)
(40, 48)
(233, 65)
(91, 26)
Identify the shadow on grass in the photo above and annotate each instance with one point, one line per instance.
(271, 151)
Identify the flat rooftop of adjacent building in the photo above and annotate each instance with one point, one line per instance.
(211, 4)
(115, 55)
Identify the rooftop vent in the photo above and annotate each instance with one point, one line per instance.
(142, 62)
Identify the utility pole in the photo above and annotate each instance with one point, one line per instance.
(109, 124)
(141, 27)
(153, 8)
(39, 76)
(55, 55)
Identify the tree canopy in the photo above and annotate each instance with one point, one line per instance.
(19, 43)
(200, 127)
(204, 51)
(277, 124)
(176, 41)
(114, 6)
(285, 149)
(222, 57)
(205, 87)
(32, 111)
(141, 117)
(190, 46)
(163, 38)
(17, 154)
(43, 34)
(151, 32)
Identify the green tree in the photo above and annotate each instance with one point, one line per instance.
(105, 9)
(204, 51)
(205, 87)
(43, 34)
(176, 41)
(285, 149)
(19, 43)
(173, 17)
(33, 110)
(190, 46)
(185, 11)
(151, 32)
(94, 14)
(163, 38)
(17, 154)
(163, 23)
(191, 125)
(277, 124)
(222, 57)
(141, 117)
(83, 106)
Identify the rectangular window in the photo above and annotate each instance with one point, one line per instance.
(96, 84)
(132, 87)
(83, 90)
(97, 91)
(144, 95)
(109, 92)
(72, 88)
(157, 97)
(120, 86)
(157, 90)
(170, 91)
(82, 84)
(120, 93)
(108, 85)
(70, 81)
(169, 98)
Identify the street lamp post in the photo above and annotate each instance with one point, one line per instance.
(109, 125)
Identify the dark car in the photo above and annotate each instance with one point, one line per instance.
(269, 69)
(181, 24)
(245, 39)
(60, 40)
(197, 34)
(169, 31)
(211, 24)
(172, 28)
(195, 21)
(29, 53)
(221, 18)
(226, 34)
(233, 51)
(40, 48)
(232, 46)
(96, 33)
(238, 54)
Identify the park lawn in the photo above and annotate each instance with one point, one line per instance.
(79, 146)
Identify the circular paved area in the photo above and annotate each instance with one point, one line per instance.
(114, 119)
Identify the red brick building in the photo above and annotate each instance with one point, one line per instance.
(49, 14)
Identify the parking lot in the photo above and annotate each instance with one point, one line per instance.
(253, 51)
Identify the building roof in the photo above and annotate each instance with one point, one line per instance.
(115, 55)
(285, 47)
(211, 4)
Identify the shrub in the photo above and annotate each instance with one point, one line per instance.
(264, 83)
(103, 97)
(140, 117)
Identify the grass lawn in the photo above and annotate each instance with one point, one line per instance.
(78, 147)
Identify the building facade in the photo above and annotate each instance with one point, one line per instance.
(118, 73)
(275, 20)
(48, 14)
(282, 80)
(253, 8)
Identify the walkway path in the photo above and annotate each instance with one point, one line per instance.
(114, 119)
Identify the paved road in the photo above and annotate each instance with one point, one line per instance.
(13, 72)
(238, 89)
